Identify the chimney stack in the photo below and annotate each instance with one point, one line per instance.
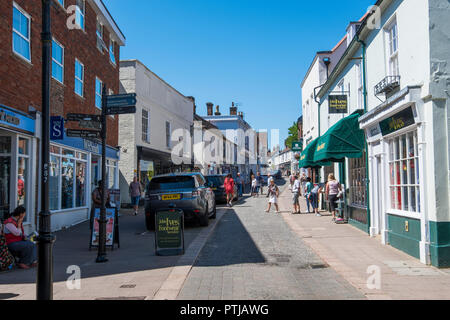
(233, 110)
(210, 106)
(217, 111)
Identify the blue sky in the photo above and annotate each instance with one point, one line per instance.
(255, 52)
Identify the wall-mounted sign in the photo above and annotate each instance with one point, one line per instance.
(56, 128)
(337, 104)
(398, 121)
(91, 146)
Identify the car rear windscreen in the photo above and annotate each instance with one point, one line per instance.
(170, 183)
(216, 180)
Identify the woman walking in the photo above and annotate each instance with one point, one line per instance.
(274, 193)
(229, 189)
(331, 191)
(254, 186)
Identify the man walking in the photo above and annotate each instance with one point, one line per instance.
(296, 187)
(259, 183)
(135, 194)
(239, 182)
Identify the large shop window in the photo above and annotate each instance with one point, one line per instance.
(358, 187)
(404, 173)
(67, 179)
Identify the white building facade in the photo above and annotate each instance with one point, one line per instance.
(157, 139)
(395, 71)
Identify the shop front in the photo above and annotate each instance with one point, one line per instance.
(396, 140)
(75, 169)
(18, 161)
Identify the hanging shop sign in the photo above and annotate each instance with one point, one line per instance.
(397, 122)
(297, 146)
(337, 104)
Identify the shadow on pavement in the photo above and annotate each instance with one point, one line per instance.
(230, 244)
(136, 253)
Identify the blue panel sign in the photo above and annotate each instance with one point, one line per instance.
(16, 120)
(56, 128)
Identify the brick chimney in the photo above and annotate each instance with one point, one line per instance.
(210, 106)
(217, 111)
(233, 110)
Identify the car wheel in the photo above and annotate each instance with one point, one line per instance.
(204, 219)
(150, 222)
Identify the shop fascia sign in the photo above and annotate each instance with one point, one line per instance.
(397, 122)
(11, 119)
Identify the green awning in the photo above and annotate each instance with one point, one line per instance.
(307, 157)
(343, 140)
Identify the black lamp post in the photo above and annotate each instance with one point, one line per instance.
(45, 240)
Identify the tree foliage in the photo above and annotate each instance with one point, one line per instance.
(293, 136)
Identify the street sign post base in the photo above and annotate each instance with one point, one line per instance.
(101, 259)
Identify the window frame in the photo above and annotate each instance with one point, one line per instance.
(146, 138)
(76, 78)
(62, 62)
(82, 12)
(112, 55)
(393, 205)
(23, 12)
(98, 36)
(97, 94)
(168, 135)
(392, 56)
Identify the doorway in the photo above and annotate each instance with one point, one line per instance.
(379, 194)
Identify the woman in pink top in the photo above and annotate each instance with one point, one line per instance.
(331, 191)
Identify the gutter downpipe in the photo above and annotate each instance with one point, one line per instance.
(364, 46)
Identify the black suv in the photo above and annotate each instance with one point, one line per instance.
(186, 191)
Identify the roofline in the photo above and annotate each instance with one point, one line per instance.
(318, 53)
(353, 46)
(104, 10)
(140, 62)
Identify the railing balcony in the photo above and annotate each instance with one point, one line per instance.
(387, 85)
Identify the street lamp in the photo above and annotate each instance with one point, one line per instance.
(45, 240)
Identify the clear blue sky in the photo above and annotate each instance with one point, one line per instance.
(255, 52)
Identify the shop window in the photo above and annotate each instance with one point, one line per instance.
(67, 179)
(404, 178)
(358, 187)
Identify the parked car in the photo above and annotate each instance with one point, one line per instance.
(276, 174)
(216, 183)
(186, 191)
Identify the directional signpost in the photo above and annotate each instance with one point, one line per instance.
(111, 105)
(93, 134)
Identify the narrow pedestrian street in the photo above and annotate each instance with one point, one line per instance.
(255, 255)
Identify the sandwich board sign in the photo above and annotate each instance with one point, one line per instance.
(169, 232)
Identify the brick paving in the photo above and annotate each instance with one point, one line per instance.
(255, 255)
(352, 252)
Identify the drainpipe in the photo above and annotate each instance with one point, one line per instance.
(364, 46)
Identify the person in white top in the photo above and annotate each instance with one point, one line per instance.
(296, 191)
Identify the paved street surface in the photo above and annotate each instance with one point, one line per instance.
(255, 255)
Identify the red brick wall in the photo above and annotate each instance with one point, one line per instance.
(20, 81)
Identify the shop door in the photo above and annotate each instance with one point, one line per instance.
(95, 171)
(5, 176)
(379, 199)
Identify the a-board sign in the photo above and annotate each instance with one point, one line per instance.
(83, 133)
(110, 227)
(169, 232)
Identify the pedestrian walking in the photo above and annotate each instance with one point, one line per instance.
(303, 181)
(291, 181)
(254, 187)
(308, 189)
(332, 190)
(260, 182)
(229, 189)
(269, 178)
(296, 187)
(135, 194)
(240, 183)
(274, 193)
